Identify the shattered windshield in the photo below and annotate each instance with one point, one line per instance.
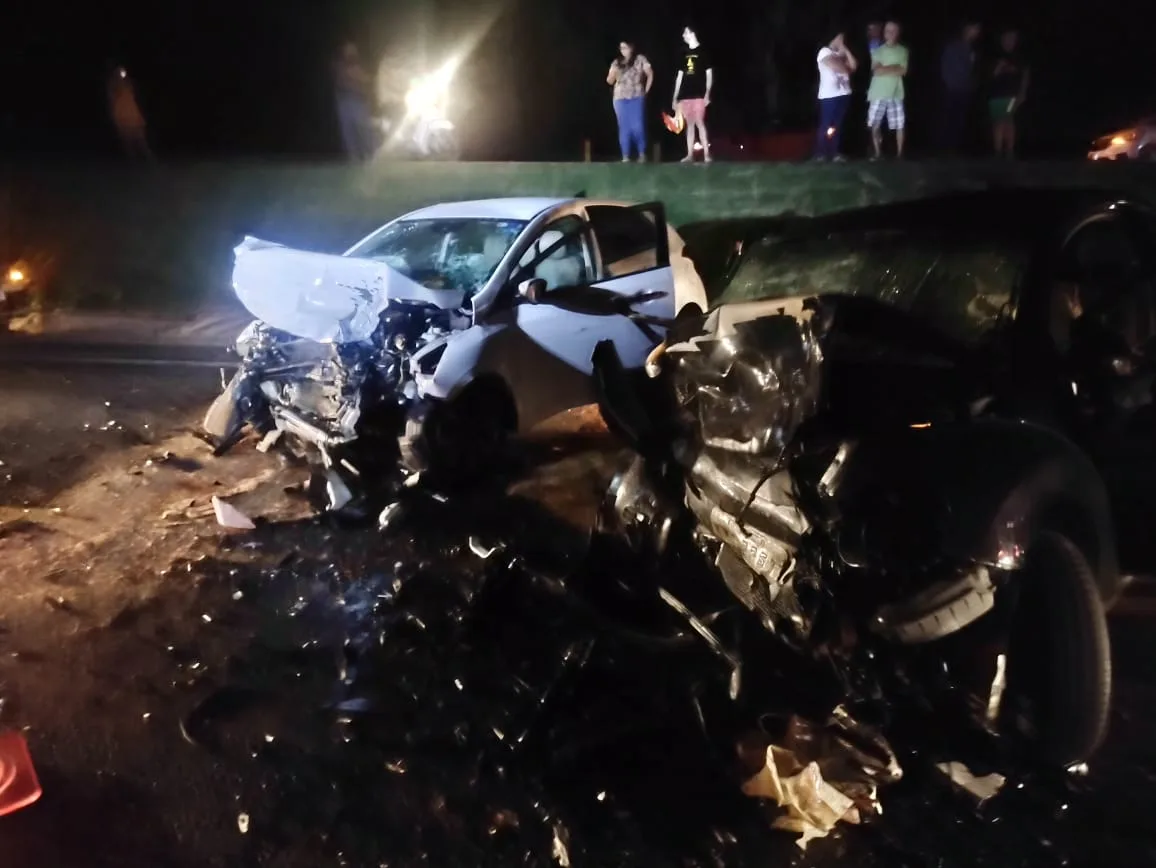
(459, 254)
(960, 287)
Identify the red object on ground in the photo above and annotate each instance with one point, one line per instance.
(19, 786)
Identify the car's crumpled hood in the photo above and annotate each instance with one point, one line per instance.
(321, 296)
(752, 376)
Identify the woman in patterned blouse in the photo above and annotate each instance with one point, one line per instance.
(631, 76)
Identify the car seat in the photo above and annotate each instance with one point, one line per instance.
(493, 249)
(563, 267)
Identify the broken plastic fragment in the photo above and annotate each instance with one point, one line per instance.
(338, 493)
(561, 852)
(481, 551)
(983, 788)
(389, 515)
(269, 440)
(231, 517)
(813, 805)
(823, 774)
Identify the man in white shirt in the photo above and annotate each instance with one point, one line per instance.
(836, 65)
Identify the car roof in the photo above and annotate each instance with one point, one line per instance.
(1025, 215)
(522, 208)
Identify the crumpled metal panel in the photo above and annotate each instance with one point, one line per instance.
(325, 298)
(752, 389)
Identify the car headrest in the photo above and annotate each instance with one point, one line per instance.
(549, 238)
(493, 248)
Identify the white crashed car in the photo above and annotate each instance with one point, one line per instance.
(431, 340)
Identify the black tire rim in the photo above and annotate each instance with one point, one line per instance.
(464, 434)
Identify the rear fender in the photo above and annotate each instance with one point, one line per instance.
(980, 492)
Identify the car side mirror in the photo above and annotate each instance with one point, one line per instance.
(532, 290)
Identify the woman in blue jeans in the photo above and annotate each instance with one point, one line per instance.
(631, 76)
(836, 66)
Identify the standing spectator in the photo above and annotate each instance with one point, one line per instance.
(874, 36)
(1009, 88)
(352, 89)
(127, 116)
(692, 94)
(885, 96)
(631, 76)
(957, 74)
(836, 65)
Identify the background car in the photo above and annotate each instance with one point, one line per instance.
(1137, 142)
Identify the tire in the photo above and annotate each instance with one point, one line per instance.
(1059, 680)
(224, 420)
(462, 439)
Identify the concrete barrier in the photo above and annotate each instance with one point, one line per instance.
(161, 239)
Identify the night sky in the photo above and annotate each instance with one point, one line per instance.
(251, 77)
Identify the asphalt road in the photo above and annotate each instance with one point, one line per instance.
(308, 695)
(18, 350)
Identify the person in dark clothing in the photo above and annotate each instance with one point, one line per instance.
(352, 89)
(957, 76)
(127, 116)
(692, 89)
(1009, 87)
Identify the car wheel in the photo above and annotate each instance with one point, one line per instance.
(224, 420)
(1059, 668)
(1147, 154)
(461, 439)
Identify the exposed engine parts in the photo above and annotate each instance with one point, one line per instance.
(327, 397)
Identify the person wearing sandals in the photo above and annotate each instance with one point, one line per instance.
(692, 94)
(631, 77)
(836, 66)
(885, 96)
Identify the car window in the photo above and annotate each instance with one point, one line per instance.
(627, 239)
(960, 288)
(443, 254)
(1108, 278)
(1104, 251)
(568, 264)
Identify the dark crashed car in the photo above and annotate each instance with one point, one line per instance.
(913, 417)
(1044, 299)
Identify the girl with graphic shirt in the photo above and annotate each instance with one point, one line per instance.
(631, 76)
(692, 94)
(836, 66)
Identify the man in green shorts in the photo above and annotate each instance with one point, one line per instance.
(885, 95)
(1009, 86)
